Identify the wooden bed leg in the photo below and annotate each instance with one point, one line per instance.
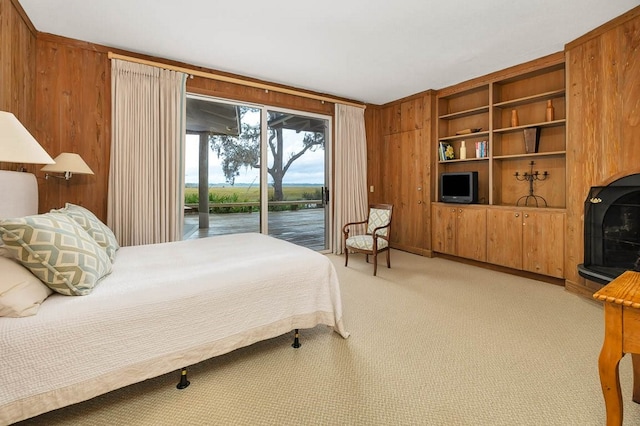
(183, 379)
(296, 341)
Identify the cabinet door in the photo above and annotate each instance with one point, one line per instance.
(543, 243)
(471, 233)
(504, 238)
(443, 219)
(409, 214)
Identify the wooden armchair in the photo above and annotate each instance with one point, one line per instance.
(378, 224)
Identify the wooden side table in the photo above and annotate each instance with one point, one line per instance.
(621, 299)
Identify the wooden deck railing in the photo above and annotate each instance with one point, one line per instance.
(306, 203)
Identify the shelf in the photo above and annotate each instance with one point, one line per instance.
(465, 113)
(553, 123)
(529, 99)
(535, 154)
(466, 136)
(457, 160)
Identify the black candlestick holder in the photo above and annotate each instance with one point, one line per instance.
(530, 177)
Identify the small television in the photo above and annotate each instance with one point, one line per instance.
(459, 187)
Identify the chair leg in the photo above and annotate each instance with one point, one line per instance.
(375, 264)
(346, 255)
(388, 258)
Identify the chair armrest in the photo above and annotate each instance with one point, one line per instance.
(375, 231)
(345, 229)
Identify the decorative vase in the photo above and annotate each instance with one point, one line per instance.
(514, 118)
(463, 151)
(550, 111)
(531, 139)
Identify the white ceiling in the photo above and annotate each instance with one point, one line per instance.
(373, 51)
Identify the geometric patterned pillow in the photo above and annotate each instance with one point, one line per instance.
(377, 218)
(94, 227)
(57, 251)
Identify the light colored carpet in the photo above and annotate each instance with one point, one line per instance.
(433, 342)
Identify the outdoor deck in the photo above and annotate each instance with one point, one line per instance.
(304, 227)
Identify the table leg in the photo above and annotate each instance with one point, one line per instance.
(609, 361)
(635, 359)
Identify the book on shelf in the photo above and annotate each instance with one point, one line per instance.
(482, 149)
(446, 151)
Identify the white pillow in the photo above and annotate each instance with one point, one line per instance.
(4, 251)
(21, 292)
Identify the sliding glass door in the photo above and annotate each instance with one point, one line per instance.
(222, 173)
(242, 176)
(298, 187)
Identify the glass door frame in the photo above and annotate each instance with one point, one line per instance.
(264, 175)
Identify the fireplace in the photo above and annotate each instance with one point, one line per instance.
(611, 229)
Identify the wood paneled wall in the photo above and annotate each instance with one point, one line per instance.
(17, 68)
(73, 108)
(603, 134)
(399, 145)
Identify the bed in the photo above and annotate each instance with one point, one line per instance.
(161, 308)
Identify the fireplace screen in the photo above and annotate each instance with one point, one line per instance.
(611, 230)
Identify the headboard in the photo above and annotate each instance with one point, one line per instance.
(18, 194)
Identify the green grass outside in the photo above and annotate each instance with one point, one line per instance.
(231, 194)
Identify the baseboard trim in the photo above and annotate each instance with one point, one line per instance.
(415, 250)
(582, 290)
(498, 268)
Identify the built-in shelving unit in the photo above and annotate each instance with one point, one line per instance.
(505, 227)
(487, 109)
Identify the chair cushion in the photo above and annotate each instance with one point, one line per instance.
(365, 242)
(377, 218)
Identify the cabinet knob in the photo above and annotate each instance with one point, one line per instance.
(526, 215)
(460, 211)
(419, 201)
(453, 210)
(517, 214)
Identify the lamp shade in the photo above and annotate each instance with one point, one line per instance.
(68, 162)
(16, 143)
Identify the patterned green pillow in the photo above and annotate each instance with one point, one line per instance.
(94, 227)
(57, 251)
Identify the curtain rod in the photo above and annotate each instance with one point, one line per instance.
(233, 80)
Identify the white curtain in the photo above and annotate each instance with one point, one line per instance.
(146, 176)
(350, 201)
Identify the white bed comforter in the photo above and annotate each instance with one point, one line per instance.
(164, 306)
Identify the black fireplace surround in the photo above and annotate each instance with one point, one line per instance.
(611, 230)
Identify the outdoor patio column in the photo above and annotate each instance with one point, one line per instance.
(203, 182)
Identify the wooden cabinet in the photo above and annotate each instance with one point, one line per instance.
(459, 231)
(522, 219)
(504, 237)
(403, 170)
(526, 239)
(543, 243)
